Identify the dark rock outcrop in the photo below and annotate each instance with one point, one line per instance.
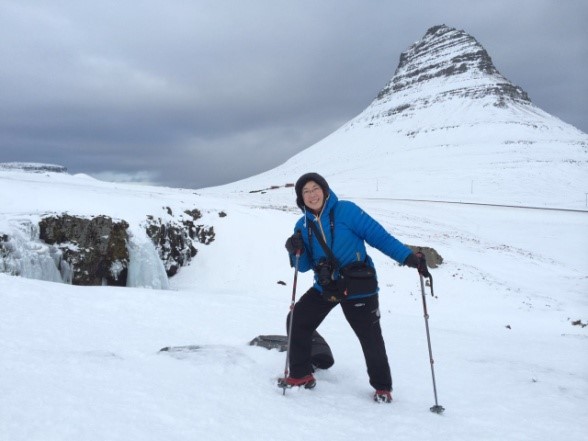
(94, 248)
(4, 247)
(175, 239)
(434, 259)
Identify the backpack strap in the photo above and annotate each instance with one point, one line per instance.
(328, 251)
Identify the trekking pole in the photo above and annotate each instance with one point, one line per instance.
(286, 368)
(436, 408)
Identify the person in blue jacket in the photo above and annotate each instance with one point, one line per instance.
(344, 229)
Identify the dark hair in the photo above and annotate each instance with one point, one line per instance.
(303, 180)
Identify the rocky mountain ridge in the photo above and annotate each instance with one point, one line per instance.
(448, 67)
(445, 52)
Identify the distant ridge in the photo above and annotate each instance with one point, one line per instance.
(33, 167)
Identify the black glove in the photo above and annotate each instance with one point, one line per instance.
(419, 262)
(295, 244)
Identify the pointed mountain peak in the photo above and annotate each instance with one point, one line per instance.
(448, 123)
(449, 63)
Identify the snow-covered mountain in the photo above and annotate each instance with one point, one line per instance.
(448, 123)
(508, 323)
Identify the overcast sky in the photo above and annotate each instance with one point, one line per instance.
(198, 93)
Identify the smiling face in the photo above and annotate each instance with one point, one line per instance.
(313, 196)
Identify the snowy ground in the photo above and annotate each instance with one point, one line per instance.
(83, 363)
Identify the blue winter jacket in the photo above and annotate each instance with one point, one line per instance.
(352, 229)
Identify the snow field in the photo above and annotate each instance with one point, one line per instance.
(84, 363)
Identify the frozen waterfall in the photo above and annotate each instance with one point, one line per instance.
(26, 256)
(146, 269)
(23, 254)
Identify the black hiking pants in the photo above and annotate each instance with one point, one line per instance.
(364, 317)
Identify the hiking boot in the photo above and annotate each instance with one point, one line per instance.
(383, 396)
(308, 382)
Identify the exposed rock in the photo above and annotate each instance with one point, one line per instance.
(4, 249)
(205, 235)
(446, 63)
(174, 239)
(95, 248)
(195, 214)
(434, 259)
(172, 242)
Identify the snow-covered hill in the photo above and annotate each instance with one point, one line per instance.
(449, 125)
(83, 363)
(508, 324)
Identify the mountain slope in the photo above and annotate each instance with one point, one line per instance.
(449, 123)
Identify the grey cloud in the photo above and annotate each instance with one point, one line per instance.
(192, 94)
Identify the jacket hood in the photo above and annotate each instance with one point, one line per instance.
(303, 180)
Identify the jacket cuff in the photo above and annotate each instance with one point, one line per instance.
(412, 261)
